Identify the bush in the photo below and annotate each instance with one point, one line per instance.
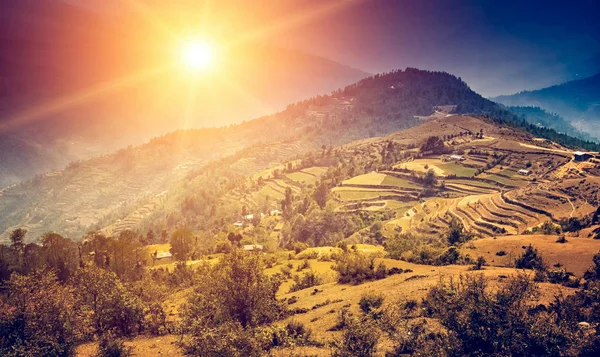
(110, 347)
(355, 268)
(370, 301)
(359, 339)
(286, 271)
(480, 263)
(561, 239)
(457, 233)
(307, 280)
(39, 317)
(530, 259)
(305, 265)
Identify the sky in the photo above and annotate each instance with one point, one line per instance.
(498, 47)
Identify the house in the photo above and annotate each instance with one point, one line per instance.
(581, 156)
(239, 224)
(457, 158)
(524, 172)
(252, 247)
(163, 255)
(249, 217)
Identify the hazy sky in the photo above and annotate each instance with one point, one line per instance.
(498, 46)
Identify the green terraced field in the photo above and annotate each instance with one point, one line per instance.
(452, 168)
(359, 194)
(473, 183)
(317, 170)
(395, 181)
(302, 177)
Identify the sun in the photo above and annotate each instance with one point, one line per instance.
(198, 55)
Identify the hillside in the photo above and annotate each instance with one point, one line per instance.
(541, 118)
(371, 221)
(45, 70)
(133, 190)
(577, 101)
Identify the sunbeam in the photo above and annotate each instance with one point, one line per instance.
(81, 97)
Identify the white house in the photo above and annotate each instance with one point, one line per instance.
(251, 247)
(457, 158)
(524, 172)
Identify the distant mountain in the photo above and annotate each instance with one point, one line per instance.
(577, 101)
(52, 53)
(138, 184)
(539, 117)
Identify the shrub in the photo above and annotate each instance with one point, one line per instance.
(359, 339)
(480, 263)
(498, 322)
(355, 268)
(305, 265)
(530, 259)
(370, 301)
(305, 281)
(450, 256)
(109, 347)
(286, 271)
(457, 233)
(500, 253)
(381, 272)
(39, 317)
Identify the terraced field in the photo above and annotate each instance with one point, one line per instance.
(485, 215)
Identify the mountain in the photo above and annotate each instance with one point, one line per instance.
(68, 87)
(120, 190)
(539, 117)
(577, 101)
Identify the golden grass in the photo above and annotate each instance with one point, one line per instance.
(576, 255)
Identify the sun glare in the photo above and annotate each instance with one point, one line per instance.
(198, 55)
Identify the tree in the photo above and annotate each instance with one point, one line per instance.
(110, 307)
(235, 290)
(234, 239)
(181, 244)
(60, 254)
(287, 208)
(17, 243)
(457, 233)
(40, 317)
(228, 304)
(593, 273)
(433, 144)
(429, 179)
(17, 239)
(321, 194)
(150, 236)
(530, 259)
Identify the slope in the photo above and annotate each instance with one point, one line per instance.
(154, 181)
(577, 101)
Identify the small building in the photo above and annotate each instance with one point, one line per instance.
(239, 224)
(163, 255)
(249, 217)
(524, 172)
(581, 156)
(252, 247)
(457, 158)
